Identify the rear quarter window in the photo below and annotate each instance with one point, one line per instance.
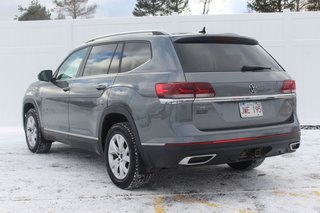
(134, 55)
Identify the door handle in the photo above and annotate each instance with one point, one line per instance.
(101, 87)
(66, 89)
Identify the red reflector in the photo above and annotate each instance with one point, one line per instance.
(234, 140)
(289, 86)
(184, 90)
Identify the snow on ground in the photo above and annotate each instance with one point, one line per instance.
(71, 180)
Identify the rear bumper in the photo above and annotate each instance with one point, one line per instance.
(225, 151)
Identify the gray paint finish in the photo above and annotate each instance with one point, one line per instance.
(75, 116)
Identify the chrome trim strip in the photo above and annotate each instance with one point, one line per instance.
(176, 101)
(185, 161)
(245, 98)
(71, 134)
(153, 144)
(228, 99)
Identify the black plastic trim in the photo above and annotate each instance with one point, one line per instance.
(126, 112)
(217, 39)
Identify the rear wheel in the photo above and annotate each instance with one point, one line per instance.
(122, 158)
(35, 141)
(246, 165)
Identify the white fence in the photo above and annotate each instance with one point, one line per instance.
(29, 47)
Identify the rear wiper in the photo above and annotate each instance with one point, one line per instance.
(254, 68)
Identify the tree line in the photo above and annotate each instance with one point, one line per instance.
(280, 5)
(63, 8)
(80, 8)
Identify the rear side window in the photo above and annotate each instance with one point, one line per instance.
(114, 66)
(99, 60)
(134, 55)
(222, 57)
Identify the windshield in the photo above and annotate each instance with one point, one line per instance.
(222, 57)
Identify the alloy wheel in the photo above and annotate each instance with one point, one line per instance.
(32, 131)
(119, 156)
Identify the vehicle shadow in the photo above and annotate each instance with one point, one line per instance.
(183, 180)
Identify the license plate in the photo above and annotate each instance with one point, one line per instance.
(250, 109)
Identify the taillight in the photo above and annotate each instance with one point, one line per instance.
(184, 90)
(289, 86)
(203, 90)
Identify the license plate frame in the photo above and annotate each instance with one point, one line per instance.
(250, 109)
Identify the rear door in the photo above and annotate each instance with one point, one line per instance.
(89, 93)
(247, 82)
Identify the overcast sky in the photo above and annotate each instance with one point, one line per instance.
(115, 8)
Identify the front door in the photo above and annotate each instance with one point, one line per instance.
(55, 97)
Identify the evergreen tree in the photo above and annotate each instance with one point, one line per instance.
(34, 12)
(149, 7)
(266, 5)
(297, 5)
(74, 8)
(276, 5)
(313, 5)
(176, 6)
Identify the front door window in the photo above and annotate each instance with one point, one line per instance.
(71, 65)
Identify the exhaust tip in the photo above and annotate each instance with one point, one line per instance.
(294, 146)
(197, 159)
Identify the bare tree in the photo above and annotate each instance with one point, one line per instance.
(206, 6)
(74, 8)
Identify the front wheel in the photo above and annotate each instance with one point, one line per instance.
(122, 158)
(246, 165)
(35, 141)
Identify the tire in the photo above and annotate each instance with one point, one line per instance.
(35, 141)
(246, 165)
(123, 161)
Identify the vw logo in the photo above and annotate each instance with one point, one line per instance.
(252, 88)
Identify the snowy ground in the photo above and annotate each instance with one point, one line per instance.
(70, 180)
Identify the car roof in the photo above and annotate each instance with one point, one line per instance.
(158, 33)
(174, 37)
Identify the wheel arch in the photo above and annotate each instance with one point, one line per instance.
(113, 115)
(27, 105)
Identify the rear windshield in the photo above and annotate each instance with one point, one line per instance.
(222, 57)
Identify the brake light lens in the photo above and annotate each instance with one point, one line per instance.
(289, 86)
(176, 90)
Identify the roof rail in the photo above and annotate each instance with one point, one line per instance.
(153, 32)
(230, 34)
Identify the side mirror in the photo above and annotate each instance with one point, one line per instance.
(45, 75)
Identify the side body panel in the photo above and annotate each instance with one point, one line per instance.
(135, 91)
(54, 109)
(88, 98)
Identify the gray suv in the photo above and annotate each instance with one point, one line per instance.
(150, 100)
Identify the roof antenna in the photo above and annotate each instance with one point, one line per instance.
(203, 31)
